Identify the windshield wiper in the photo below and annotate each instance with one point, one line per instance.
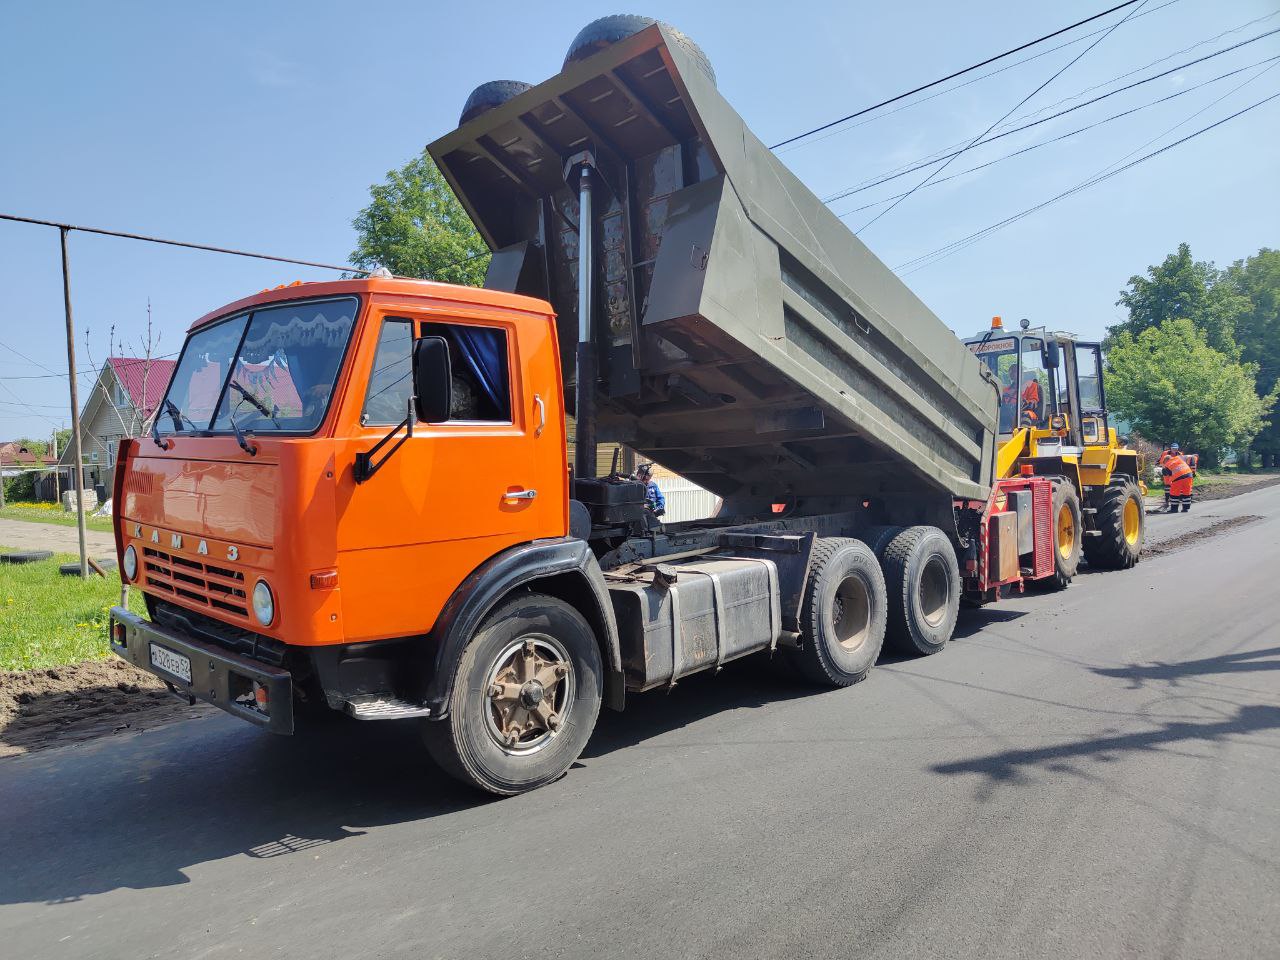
(176, 415)
(262, 407)
(245, 445)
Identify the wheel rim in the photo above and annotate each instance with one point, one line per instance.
(851, 613)
(1066, 531)
(935, 591)
(1132, 521)
(529, 694)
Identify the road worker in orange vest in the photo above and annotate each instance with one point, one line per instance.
(1179, 475)
(1032, 401)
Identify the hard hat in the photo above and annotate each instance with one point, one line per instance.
(1174, 446)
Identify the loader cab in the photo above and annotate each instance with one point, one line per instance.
(1049, 383)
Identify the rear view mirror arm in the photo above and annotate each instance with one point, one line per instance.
(366, 466)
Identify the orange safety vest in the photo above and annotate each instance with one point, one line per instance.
(1031, 401)
(1177, 475)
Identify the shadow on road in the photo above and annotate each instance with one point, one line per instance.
(138, 812)
(976, 619)
(1011, 766)
(1249, 661)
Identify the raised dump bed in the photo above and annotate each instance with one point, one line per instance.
(747, 339)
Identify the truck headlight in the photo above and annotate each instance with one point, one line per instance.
(130, 563)
(264, 605)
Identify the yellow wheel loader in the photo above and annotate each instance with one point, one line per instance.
(1053, 423)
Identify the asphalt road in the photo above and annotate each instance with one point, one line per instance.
(1094, 773)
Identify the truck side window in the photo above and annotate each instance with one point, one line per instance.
(391, 382)
(481, 382)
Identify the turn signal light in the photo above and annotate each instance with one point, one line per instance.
(1028, 470)
(325, 580)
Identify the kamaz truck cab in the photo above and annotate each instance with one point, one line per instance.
(1053, 422)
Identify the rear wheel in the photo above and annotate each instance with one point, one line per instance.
(1067, 531)
(525, 700)
(842, 616)
(922, 579)
(1121, 523)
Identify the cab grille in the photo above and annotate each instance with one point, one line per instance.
(213, 587)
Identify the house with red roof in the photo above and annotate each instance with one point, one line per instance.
(121, 404)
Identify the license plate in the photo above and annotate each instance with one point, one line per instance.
(171, 663)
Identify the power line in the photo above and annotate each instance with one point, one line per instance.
(979, 79)
(1076, 59)
(933, 256)
(1160, 60)
(932, 159)
(958, 73)
(178, 243)
(1042, 143)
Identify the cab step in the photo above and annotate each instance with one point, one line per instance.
(378, 706)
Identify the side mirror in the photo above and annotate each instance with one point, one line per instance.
(1051, 355)
(432, 380)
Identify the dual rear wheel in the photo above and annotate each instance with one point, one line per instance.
(899, 589)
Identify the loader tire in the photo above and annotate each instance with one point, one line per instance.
(1121, 525)
(922, 578)
(483, 740)
(842, 615)
(1067, 534)
(492, 94)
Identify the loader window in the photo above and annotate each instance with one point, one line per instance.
(1001, 358)
(1090, 379)
(1033, 391)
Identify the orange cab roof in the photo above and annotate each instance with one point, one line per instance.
(426, 289)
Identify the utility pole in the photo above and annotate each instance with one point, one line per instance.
(78, 484)
(57, 477)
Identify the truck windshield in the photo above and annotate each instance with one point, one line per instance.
(282, 360)
(1000, 356)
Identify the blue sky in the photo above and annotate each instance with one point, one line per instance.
(261, 126)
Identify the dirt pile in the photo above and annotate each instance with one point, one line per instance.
(61, 705)
(1197, 536)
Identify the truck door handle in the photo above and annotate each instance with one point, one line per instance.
(520, 495)
(542, 417)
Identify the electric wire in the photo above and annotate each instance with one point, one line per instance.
(931, 159)
(1021, 103)
(960, 86)
(1043, 143)
(928, 259)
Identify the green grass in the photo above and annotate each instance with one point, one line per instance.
(52, 513)
(47, 620)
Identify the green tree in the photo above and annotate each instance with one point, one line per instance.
(1184, 288)
(415, 227)
(1257, 279)
(1172, 385)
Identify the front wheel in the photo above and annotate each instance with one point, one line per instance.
(525, 699)
(1120, 522)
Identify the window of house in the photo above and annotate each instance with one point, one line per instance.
(480, 379)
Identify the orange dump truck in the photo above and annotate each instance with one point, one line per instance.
(356, 499)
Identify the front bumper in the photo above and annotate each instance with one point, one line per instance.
(217, 676)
